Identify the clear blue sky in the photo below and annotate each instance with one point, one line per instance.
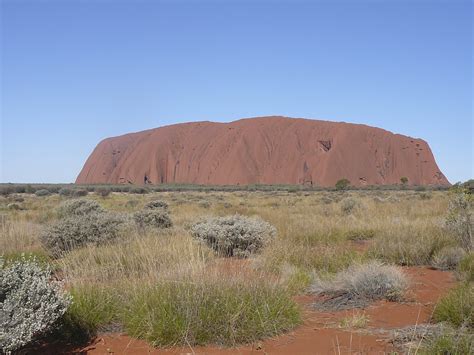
(75, 72)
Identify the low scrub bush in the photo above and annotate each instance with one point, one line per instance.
(139, 190)
(218, 312)
(78, 207)
(65, 192)
(448, 258)
(457, 307)
(156, 204)
(42, 192)
(30, 303)
(361, 284)
(77, 231)
(152, 218)
(460, 221)
(103, 191)
(234, 235)
(348, 205)
(79, 193)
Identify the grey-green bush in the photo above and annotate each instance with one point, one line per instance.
(362, 283)
(78, 207)
(42, 192)
(234, 235)
(30, 303)
(77, 231)
(65, 192)
(104, 192)
(79, 193)
(156, 204)
(152, 218)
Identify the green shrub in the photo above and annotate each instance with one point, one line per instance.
(234, 235)
(139, 190)
(79, 193)
(30, 303)
(156, 204)
(154, 218)
(457, 307)
(78, 207)
(198, 313)
(42, 193)
(77, 231)
(342, 184)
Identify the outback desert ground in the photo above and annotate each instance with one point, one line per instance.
(266, 271)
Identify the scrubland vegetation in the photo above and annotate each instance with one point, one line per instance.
(224, 267)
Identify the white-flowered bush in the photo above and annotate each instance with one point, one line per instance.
(234, 235)
(31, 303)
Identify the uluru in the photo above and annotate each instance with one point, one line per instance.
(262, 150)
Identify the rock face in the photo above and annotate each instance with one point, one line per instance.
(265, 150)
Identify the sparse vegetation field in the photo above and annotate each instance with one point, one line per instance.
(229, 268)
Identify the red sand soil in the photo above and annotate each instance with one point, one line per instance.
(266, 150)
(320, 332)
